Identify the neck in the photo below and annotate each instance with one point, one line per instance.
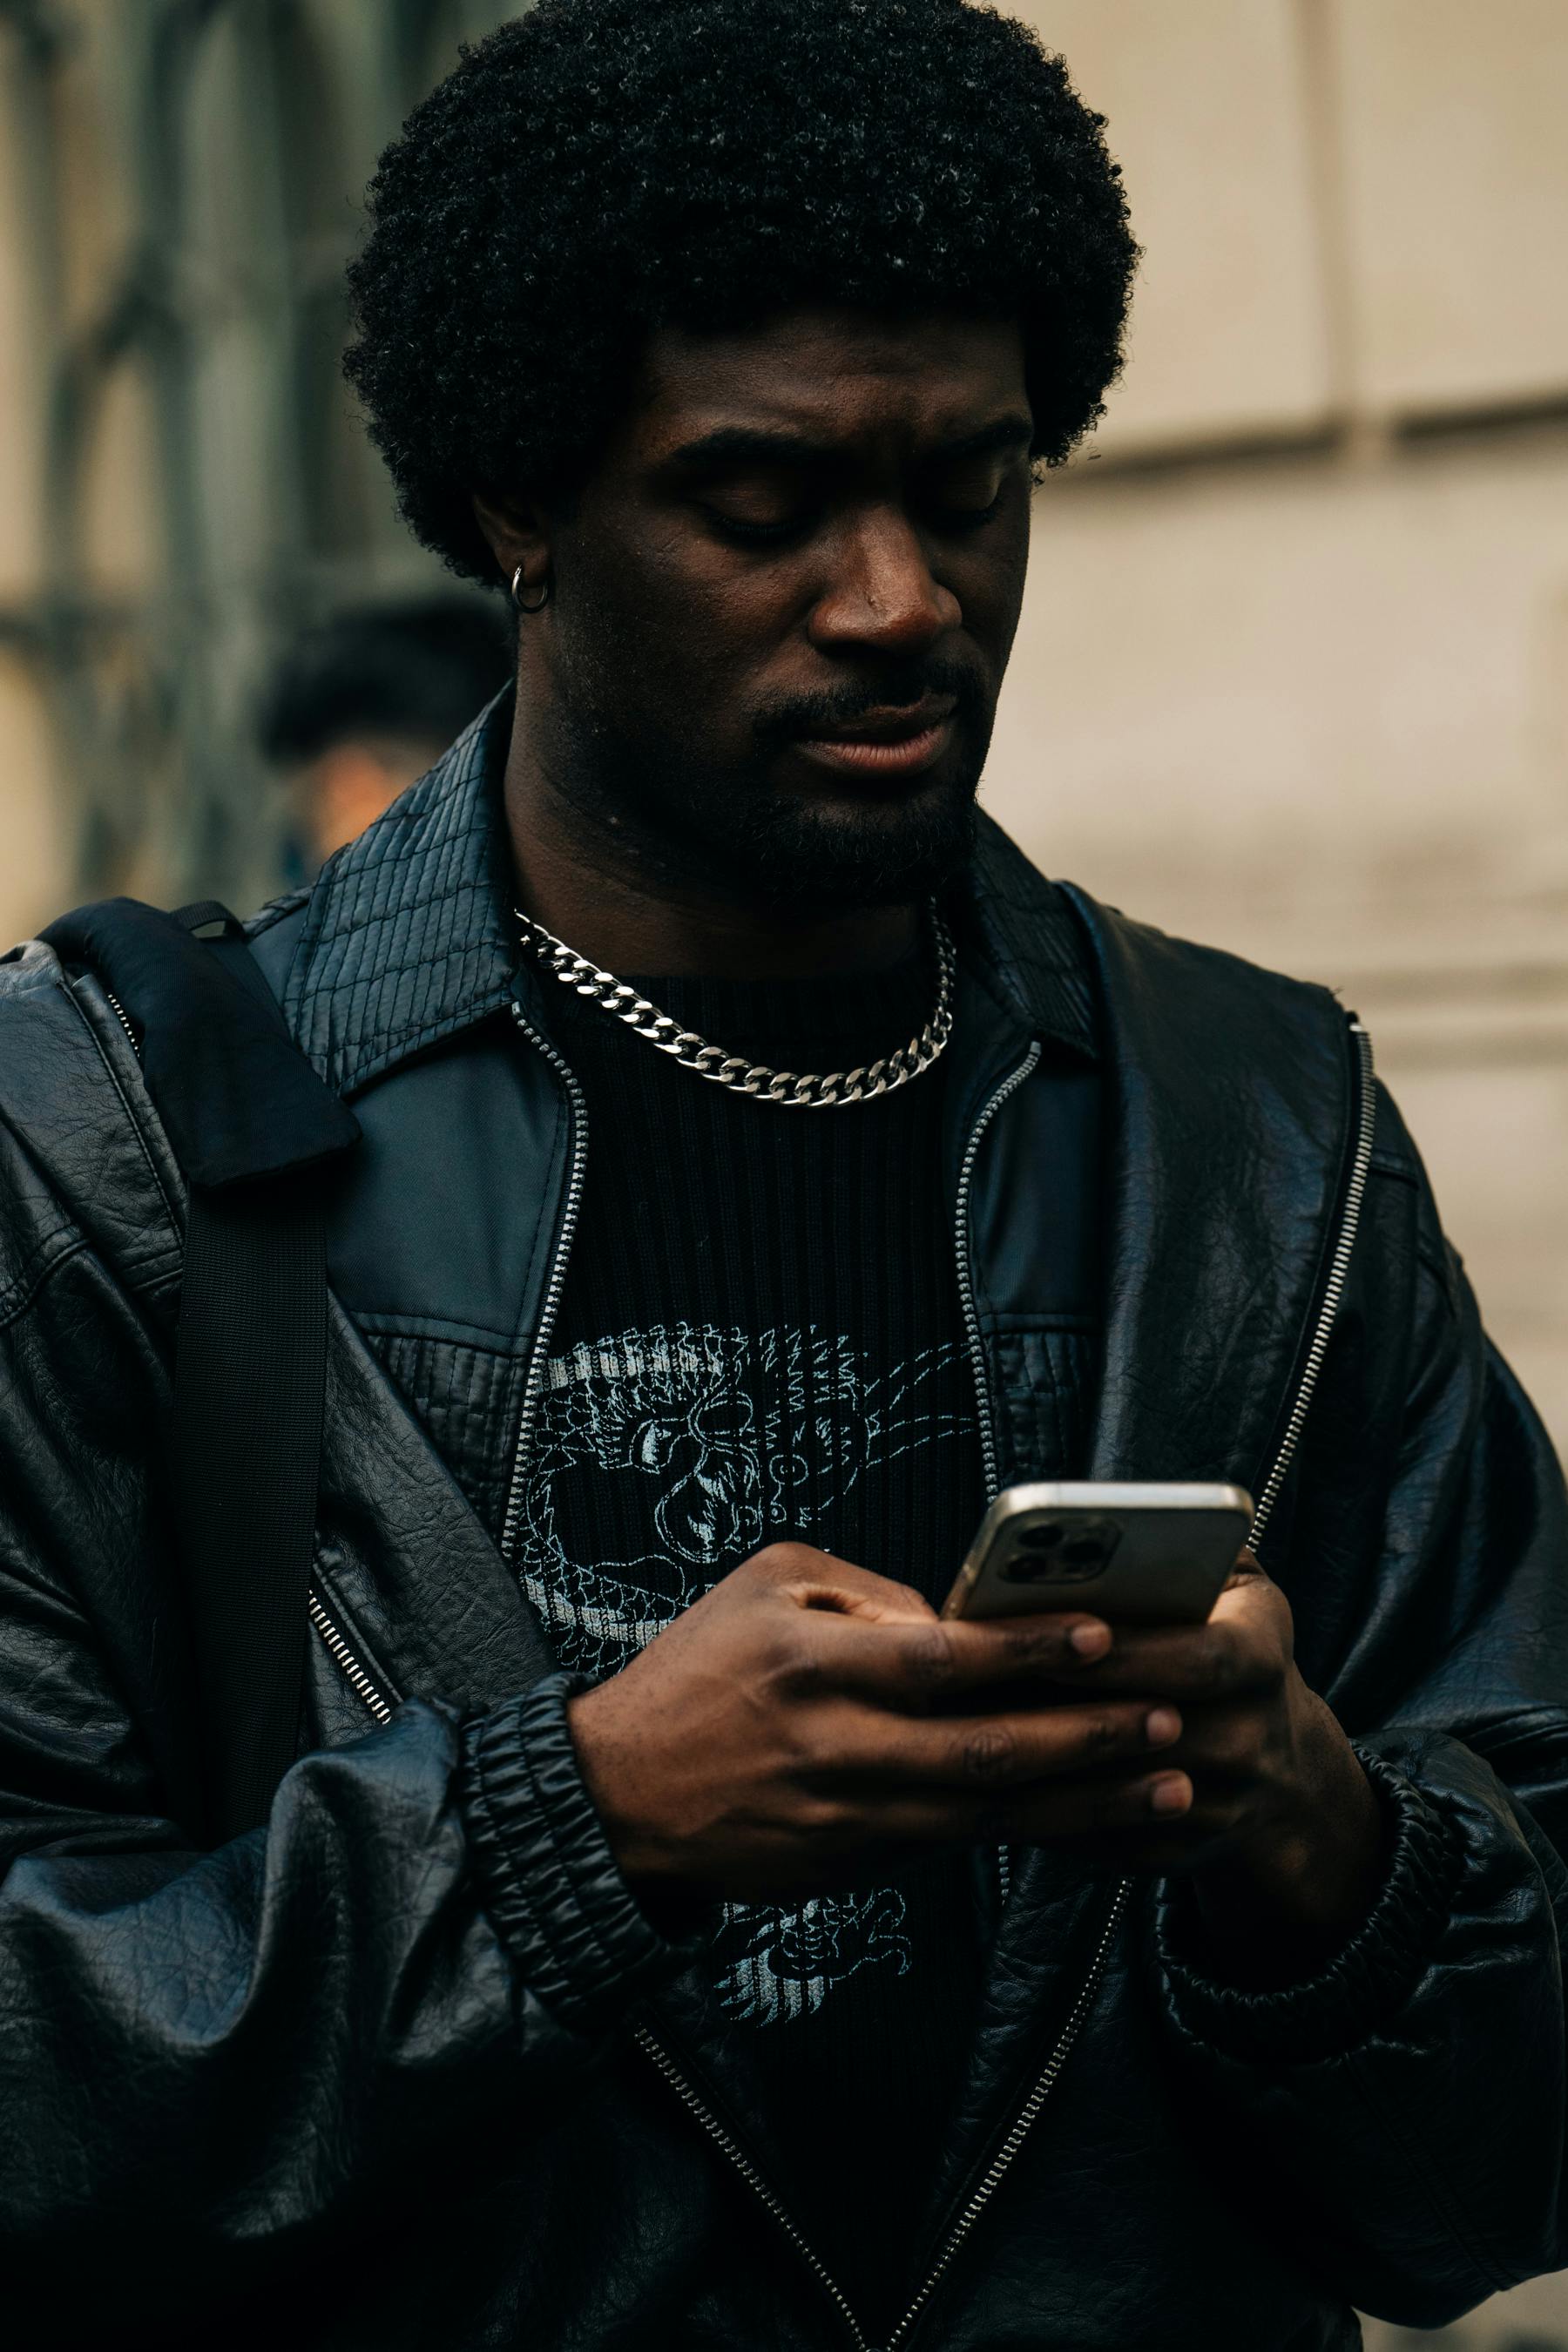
(590, 892)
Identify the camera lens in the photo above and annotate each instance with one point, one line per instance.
(1061, 1551)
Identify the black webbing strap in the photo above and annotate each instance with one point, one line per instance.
(249, 1386)
(254, 1130)
(249, 1381)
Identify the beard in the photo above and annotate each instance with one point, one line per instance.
(651, 800)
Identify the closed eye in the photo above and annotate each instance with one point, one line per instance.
(743, 533)
(939, 516)
(962, 518)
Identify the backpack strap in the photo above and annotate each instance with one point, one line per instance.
(254, 1130)
(250, 1383)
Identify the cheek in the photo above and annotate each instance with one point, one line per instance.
(991, 592)
(710, 601)
(733, 615)
(699, 660)
(707, 638)
(669, 654)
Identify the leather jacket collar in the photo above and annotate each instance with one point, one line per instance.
(406, 937)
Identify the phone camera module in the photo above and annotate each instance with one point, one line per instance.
(1056, 1552)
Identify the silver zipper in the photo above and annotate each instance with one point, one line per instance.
(353, 1673)
(984, 2189)
(991, 1472)
(652, 2048)
(1333, 1289)
(972, 1335)
(1044, 2083)
(125, 1017)
(535, 1387)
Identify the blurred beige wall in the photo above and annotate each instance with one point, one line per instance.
(1293, 672)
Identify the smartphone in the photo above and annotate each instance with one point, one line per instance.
(1132, 1554)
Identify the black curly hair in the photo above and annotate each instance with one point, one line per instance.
(596, 169)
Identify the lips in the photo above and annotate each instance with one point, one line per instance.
(886, 743)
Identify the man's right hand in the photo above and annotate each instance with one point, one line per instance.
(808, 1725)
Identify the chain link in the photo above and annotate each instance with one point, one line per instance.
(789, 1090)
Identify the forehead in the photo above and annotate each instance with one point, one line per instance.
(838, 376)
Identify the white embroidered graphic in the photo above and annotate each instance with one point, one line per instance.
(772, 1965)
(725, 1423)
(722, 1422)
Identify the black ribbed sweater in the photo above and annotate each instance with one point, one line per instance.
(760, 1334)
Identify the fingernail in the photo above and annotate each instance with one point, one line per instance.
(1172, 1794)
(1162, 1727)
(1089, 1640)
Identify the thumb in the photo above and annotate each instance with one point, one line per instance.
(1247, 1570)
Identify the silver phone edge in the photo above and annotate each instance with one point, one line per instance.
(1086, 1493)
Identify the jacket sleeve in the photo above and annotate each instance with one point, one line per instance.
(210, 2059)
(1412, 2097)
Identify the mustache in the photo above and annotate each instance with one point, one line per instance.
(805, 715)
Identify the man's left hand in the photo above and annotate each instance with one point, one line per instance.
(1270, 1809)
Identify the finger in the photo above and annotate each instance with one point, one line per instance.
(1243, 1646)
(1152, 1821)
(990, 1752)
(1124, 1812)
(1221, 1746)
(1251, 1597)
(919, 1664)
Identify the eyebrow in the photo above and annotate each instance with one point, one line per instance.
(745, 444)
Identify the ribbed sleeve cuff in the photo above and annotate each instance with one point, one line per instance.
(1367, 1981)
(547, 1877)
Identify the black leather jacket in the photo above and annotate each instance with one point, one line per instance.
(409, 2068)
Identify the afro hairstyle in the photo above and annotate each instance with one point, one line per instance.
(597, 169)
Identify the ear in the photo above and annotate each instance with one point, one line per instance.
(517, 534)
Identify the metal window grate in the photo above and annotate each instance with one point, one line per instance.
(186, 188)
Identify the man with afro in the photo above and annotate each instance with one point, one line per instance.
(674, 1930)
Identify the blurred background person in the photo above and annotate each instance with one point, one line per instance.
(362, 705)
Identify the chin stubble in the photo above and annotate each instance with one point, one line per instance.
(641, 803)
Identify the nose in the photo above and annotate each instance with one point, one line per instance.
(883, 596)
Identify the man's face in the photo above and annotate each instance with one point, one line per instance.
(783, 605)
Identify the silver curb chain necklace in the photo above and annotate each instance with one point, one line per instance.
(790, 1091)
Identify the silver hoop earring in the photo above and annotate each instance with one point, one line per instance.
(518, 601)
